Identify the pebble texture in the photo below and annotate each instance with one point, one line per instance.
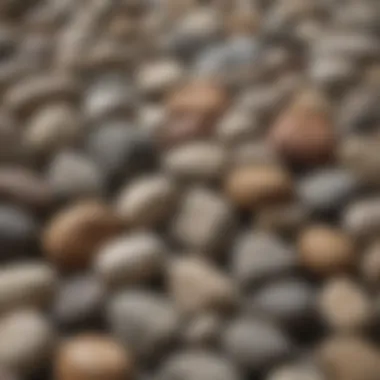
(189, 190)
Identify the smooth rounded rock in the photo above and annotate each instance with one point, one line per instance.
(370, 264)
(297, 371)
(197, 286)
(90, 357)
(148, 201)
(27, 340)
(325, 250)
(146, 323)
(73, 236)
(131, 259)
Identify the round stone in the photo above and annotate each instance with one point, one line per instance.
(90, 357)
(344, 305)
(210, 288)
(252, 186)
(131, 259)
(27, 340)
(29, 284)
(145, 322)
(148, 201)
(370, 265)
(297, 371)
(325, 250)
(72, 237)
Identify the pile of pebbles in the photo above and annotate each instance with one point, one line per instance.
(189, 190)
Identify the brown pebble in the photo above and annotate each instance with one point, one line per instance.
(325, 250)
(256, 185)
(349, 358)
(92, 357)
(304, 133)
(370, 265)
(194, 110)
(73, 236)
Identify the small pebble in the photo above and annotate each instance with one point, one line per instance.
(370, 264)
(18, 353)
(252, 186)
(297, 371)
(73, 236)
(146, 323)
(325, 250)
(204, 221)
(259, 256)
(201, 161)
(255, 343)
(197, 365)
(345, 305)
(87, 357)
(148, 201)
(131, 259)
(197, 286)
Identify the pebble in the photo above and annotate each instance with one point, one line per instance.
(51, 128)
(289, 300)
(121, 150)
(147, 201)
(11, 144)
(131, 259)
(194, 109)
(203, 330)
(344, 305)
(362, 218)
(72, 237)
(145, 322)
(26, 284)
(18, 353)
(302, 371)
(286, 218)
(72, 175)
(93, 356)
(197, 286)
(160, 77)
(25, 96)
(303, 135)
(326, 250)
(252, 186)
(255, 343)
(370, 264)
(327, 190)
(79, 301)
(197, 365)
(349, 358)
(359, 155)
(108, 96)
(259, 256)
(196, 161)
(18, 231)
(24, 187)
(203, 222)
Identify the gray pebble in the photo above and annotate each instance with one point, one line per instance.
(327, 189)
(204, 221)
(255, 343)
(72, 175)
(297, 371)
(261, 255)
(201, 161)
(26, 284)
(210, 288)
(107, 97)
(131, 259)
(121, 150)
(197, 365)
(27, 340)
(287, 300)
(147, 201)
(79, 301)
(362, 218)
(18, 231)
(143, 321)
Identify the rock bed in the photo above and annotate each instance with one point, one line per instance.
(189, 190)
